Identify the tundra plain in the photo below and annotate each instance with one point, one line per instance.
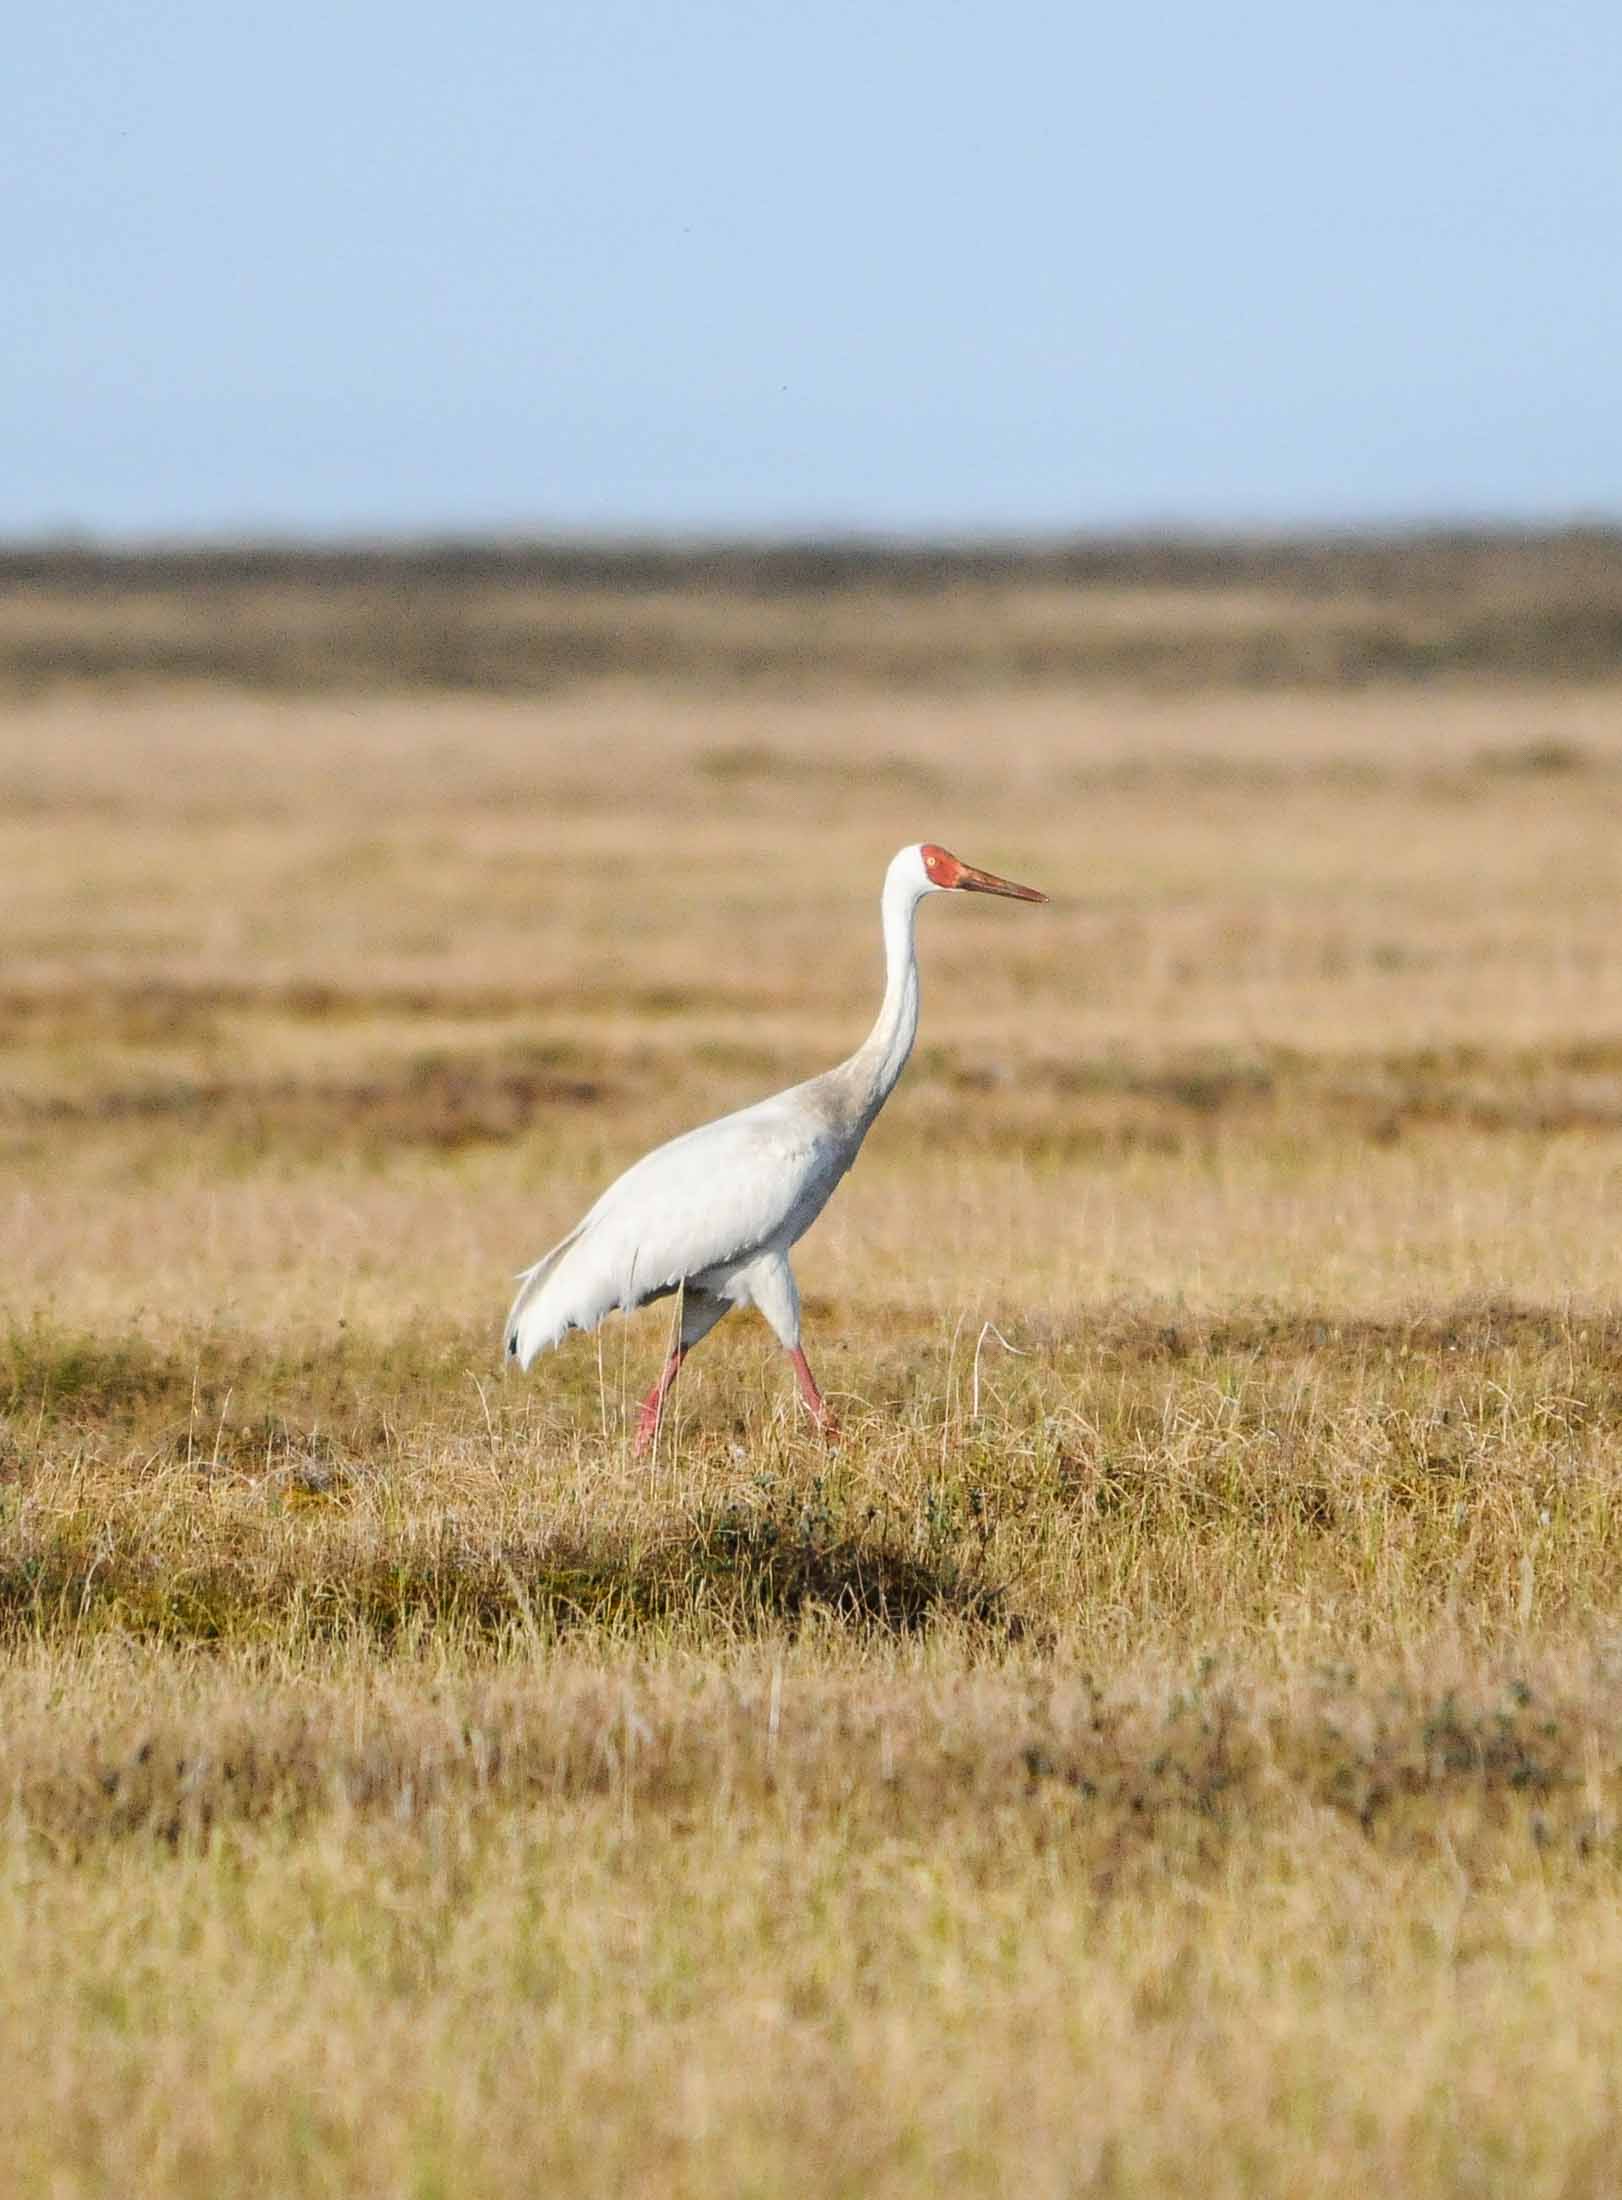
(1171, 1743)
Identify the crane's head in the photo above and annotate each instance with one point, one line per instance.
(943, 873)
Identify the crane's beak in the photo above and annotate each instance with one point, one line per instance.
(971, 881)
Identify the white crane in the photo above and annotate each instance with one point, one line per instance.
(712, 1214)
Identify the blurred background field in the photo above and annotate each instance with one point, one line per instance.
(1172, 1736)
(501, 939)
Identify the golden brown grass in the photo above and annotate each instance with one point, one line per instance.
(1170, 1744)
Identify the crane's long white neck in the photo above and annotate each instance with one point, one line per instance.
(882, 1055)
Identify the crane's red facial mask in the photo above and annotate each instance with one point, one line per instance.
(944, 869)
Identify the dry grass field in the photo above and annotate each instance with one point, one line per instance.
(1171, 1743)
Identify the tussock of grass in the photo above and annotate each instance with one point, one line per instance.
(1205, 1757)
(738, 1573)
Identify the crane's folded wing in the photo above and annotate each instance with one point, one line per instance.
(707, 1199)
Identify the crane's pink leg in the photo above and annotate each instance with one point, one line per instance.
(647, 1421)
(810, 1393)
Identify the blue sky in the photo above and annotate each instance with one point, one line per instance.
(354, 267)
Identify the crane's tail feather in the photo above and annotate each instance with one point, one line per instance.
(527, 1328)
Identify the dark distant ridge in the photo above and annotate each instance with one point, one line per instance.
(535, 618)
(1400, 561)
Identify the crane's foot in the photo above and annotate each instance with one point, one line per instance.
(816, 1405)
(647, 1420)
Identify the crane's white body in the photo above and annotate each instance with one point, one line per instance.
(714, 1212)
